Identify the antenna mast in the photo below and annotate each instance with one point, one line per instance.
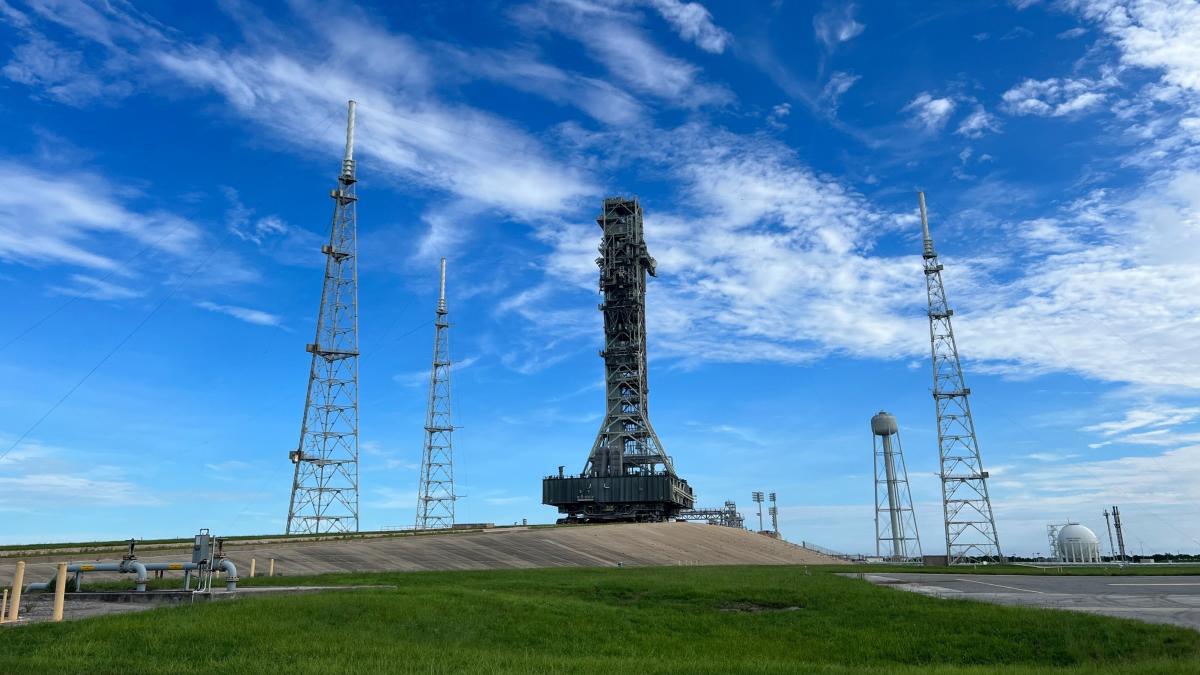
(325, 482)
(970, 526)
(435, 494)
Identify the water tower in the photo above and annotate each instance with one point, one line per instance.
(896, 537)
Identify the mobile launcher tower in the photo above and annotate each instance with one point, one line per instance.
(628, 476)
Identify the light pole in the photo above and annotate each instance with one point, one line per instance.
(758, 499)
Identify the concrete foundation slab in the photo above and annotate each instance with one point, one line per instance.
(1166, 599)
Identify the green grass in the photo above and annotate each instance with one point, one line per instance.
(632, 620)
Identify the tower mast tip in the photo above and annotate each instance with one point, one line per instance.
(442, 292)
(348, 159)
(925, 238)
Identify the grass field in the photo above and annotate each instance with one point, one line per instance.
(631, 620)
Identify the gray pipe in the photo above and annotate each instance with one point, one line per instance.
(140, 569)
(231, 577)
(124, 567)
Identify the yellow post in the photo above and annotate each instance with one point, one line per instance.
(271, 568)
(14, 610)
(252, 563)
(60, 590)
(3, 605)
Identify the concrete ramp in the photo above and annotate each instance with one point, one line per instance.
(648, 544)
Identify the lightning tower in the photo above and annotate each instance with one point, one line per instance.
(435, 494)
(896, 536)
(970, 526)
(627, 476)
(325, 482)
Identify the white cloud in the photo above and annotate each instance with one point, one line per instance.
(273, 236)
(751, 283)
(837, 25)
(694, 23)
(390, 498)
(978, 123)
(839, 83)
(778, 114)
(1072, 33)
(1147, 481)
(525, 71)
(1152, 418)
(421, 377)
(72, 218)
(1051, 456)
(59, 74)
(228, 466)
(929, 112)
(1053, 97)
(456, 149)
(615, 40)
(97, 289)
(254, 316)
(743, 266)
(1115, 299)
(1158, 34)
(62, 488)
(291, 92)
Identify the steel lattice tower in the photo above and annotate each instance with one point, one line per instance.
(970, 526)
(628, 475)
(895, 519)
(325, 484)
(435, 494)
(626, 442)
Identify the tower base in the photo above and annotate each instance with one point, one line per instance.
(586, 499)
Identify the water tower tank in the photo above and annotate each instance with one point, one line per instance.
(883, 424)
(1078, 544)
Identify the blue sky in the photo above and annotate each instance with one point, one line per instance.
(170, 164)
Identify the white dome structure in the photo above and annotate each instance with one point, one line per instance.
(1078, 544)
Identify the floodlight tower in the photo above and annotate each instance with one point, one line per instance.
(774, 513)
(895, 518)
(325, 480)
(758, 499)
(435, 494)
(1112, 550)
(1116, 515)
(970, 526)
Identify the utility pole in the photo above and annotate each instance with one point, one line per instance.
(325, 479)
(970, 525)
(435, 495)
(774, 511)
(1112, 551)
(1116, 515)
(758, 499)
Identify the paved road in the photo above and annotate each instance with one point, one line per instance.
(1173, 600)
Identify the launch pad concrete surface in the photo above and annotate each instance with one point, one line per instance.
(1155, 599)
(648, 544)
